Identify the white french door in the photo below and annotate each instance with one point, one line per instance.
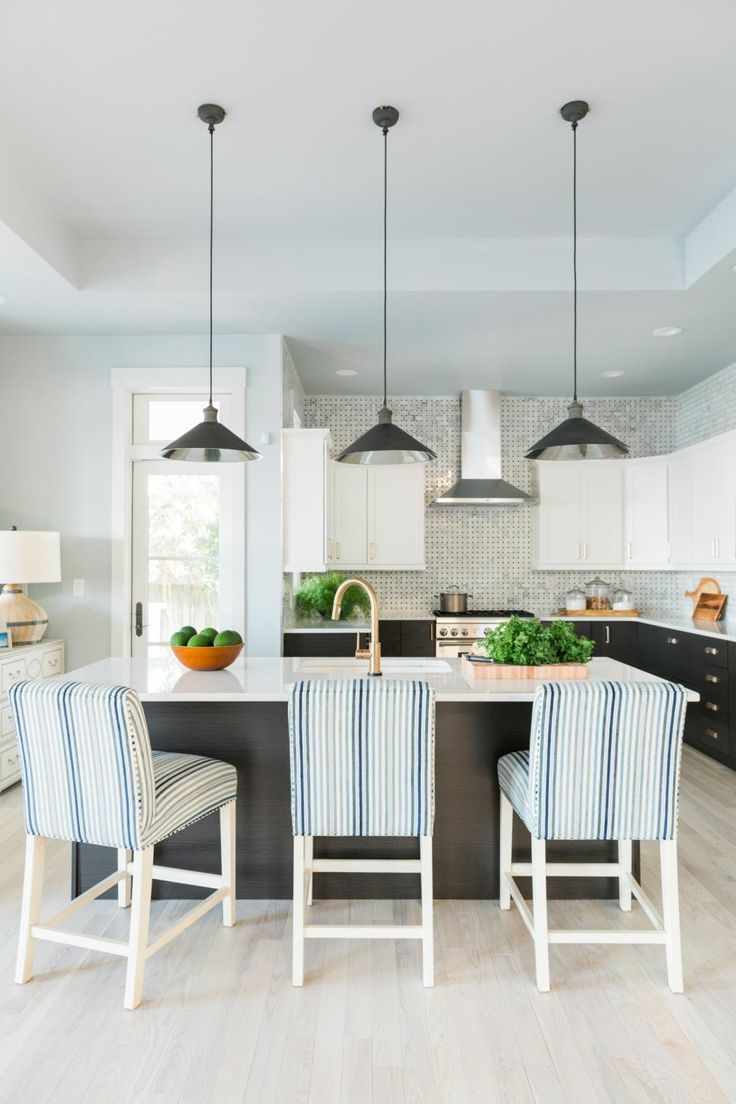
(187, 550)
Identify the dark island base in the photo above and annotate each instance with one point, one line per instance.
(470, 739)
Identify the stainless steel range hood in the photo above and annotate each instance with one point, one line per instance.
(480, 482)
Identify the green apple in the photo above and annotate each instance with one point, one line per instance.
(228, 637)
(199, 640)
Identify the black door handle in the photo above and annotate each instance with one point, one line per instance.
(139, 619)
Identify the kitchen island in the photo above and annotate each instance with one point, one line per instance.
(240, 715)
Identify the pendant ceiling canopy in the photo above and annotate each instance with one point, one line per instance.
(209, 440)
(576, 438)
(385, 443)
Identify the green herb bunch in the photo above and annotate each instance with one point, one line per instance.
(530, 643)
(317, 593)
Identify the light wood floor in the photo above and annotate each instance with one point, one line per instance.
(221, 1021)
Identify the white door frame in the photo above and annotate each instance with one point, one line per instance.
(127, 382)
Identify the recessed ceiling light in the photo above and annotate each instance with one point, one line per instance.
(614, 373)
(666, 331)
(346, 372)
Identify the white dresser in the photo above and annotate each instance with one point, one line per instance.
(26, 661)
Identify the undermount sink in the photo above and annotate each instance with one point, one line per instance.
(353, 667)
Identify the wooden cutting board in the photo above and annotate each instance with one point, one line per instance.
(602, 615)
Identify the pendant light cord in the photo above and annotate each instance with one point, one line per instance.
(385, 238)
(575, 260)
(212, 221)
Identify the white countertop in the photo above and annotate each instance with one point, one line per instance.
(268, 680)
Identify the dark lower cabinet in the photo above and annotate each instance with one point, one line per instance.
(398, 638)
(617, 640)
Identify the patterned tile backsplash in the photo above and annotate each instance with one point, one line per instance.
(488, 551)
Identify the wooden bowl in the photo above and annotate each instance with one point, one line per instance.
(207, 659)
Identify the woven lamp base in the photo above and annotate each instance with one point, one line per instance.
(26, 620)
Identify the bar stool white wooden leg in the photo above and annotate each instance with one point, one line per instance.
(124, 857)
(624, 881)
(227, 862)
(671, 914)
(425, 857)
(505, 852)
(139, 920)
(539, 898)
(297, 957)
(30, 912)
(308, 860)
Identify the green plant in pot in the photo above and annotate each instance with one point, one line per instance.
(315, 596)
(528, 643)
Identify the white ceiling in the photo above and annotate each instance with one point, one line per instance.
(103, 192)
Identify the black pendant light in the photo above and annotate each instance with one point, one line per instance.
(576, 438)
(386, 443)
(209, 440)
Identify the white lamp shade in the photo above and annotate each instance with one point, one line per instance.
(28, 556)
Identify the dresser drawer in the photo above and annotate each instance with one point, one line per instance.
(12, 671)
(52, 663)
(7, 723)
(9, 763)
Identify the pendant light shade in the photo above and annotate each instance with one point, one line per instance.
(385, 443)
(576, 438)
(209, 440)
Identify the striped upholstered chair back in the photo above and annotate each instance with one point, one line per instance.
(362, 757)
(86, 762)
(604, 760)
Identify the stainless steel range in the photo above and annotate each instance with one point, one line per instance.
(457, 633)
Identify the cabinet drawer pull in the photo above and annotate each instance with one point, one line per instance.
(712, 733)
(712, 678)
(711, 651)
(672, 640)
(712, 706)
(608, 633)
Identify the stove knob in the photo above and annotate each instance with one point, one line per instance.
(465, 632)
(453, 632)
(443, 632)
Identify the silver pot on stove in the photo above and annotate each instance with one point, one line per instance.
(454, 601)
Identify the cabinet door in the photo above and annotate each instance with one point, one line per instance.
(560, 539)
(603, 512)
(713, 502)
(304, 460)
(396, 515)
(618, 640)
(417, 638)
(347, 532)
(681, 508)
(647, 513)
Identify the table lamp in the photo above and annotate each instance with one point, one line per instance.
(26, 557)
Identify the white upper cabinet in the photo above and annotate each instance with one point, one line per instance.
(580, 515)
(560, 541)
(396, 516)
(348, 516)
(705, 533)
(304, 455)
(603, 512)
(646, 507)
(347, 519)
(676, 511)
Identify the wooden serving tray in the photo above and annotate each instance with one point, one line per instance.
(549, 672)
(603, 615)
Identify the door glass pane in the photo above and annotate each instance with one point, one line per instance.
(184, 514)
(169, 418)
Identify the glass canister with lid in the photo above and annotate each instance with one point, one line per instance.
(623, 599)
(575, 600)
(597, 594)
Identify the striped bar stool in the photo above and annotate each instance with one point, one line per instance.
(89, 776)
(603, 764)
(362, 764)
